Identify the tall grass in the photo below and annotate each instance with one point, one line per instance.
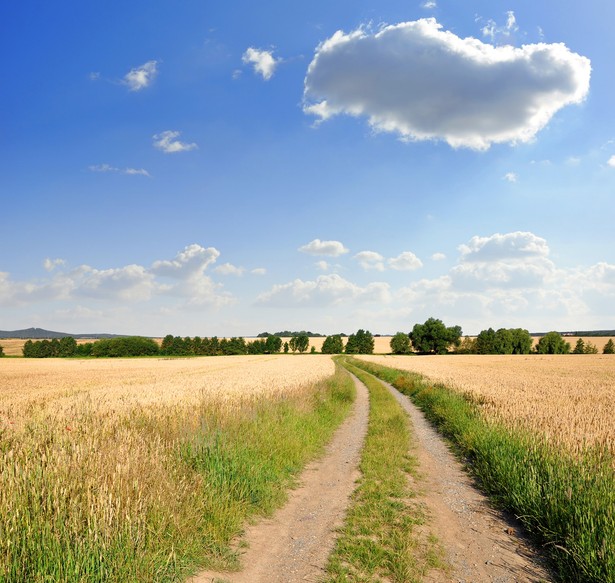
(154, 493)
(567, 502)
(380, 540)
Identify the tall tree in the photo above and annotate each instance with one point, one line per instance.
(400, 344)
(552, 343)
(333, 345)
(434, 337)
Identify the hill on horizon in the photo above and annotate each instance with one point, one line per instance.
(40, 334)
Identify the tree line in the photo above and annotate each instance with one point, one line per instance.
(433, 337)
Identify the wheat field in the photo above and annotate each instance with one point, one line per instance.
(566, 399)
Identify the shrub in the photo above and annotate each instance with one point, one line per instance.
(400, 344)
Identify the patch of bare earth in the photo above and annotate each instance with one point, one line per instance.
(480, 543)
(295, 543)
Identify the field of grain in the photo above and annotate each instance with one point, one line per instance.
(117, 469)
(567, 399)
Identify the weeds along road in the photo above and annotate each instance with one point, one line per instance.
(295, 543)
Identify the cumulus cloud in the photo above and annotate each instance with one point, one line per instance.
(438, 257)
(193, 260)
(168, 143)
(429, 4)
(370, 260)
(104, 168)
(326, 248)
(132, 283)
(498, 247)
(424, 83)
(141, 77)
(510, 177)
(611, 161)
(229, 269)
(406, 261)
(326, 290)
(264, 62)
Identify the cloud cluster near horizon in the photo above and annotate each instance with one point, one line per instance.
(424, 83)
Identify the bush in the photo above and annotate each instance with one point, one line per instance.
(552, 343)
(125, 346)
(1, 351)
(609, 347)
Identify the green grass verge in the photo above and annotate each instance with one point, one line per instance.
(567, 504)
(380, 539)
(173, 510)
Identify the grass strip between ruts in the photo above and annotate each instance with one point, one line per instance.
(380, 539)
(567, 504)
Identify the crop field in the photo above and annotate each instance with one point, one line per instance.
(131, 469)
(566, 399)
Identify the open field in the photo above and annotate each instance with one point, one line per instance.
(567, 399)
(145, 469)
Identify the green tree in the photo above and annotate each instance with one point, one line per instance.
(434, 337)
(333, 345)
(486, 342)
(1, 351)
(302, 342)
(67, 347)
(552, 343)
(273, 344)
(609, 347)
(591, 348)
(313, 350)
(286, 347)
(360, 343)
(521, 341)
(400, 344)
(579, 347)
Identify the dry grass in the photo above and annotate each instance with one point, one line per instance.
(567, 399)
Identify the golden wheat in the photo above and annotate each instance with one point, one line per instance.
(566, 399)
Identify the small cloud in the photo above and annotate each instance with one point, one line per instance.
(141, 77)
(263, 61)
(370, 260)
(94, 76)
(429, 4)
(406, 261)
(136, 172)
(229, 269)
(322, 265)
(611, 161)
(258, 271)
(438, 257)
(493, 31)
(328, 248)
(105, 168)
(573, 161)
(51, 264)
(510, 177)
(167, 142)
(237, 73)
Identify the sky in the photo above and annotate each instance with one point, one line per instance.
(207, 168)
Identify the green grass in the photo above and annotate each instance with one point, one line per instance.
(154, 497)
(567, 504)
(381, 538)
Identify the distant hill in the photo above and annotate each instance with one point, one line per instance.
(39, 333)
(577, 333)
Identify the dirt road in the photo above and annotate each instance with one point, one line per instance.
(480, 544)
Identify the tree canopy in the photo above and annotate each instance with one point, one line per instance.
(552, 343)
(400, 344)
(333, 345)
(360, 343)
(434, 337)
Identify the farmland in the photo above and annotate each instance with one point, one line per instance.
(135, 470)
(567, 400)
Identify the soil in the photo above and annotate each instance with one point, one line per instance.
(480, 544)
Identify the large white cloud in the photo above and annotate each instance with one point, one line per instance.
(326, 248)
(423, 83)
(193, 260)
(326, 290)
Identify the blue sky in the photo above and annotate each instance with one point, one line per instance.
(191, 168)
